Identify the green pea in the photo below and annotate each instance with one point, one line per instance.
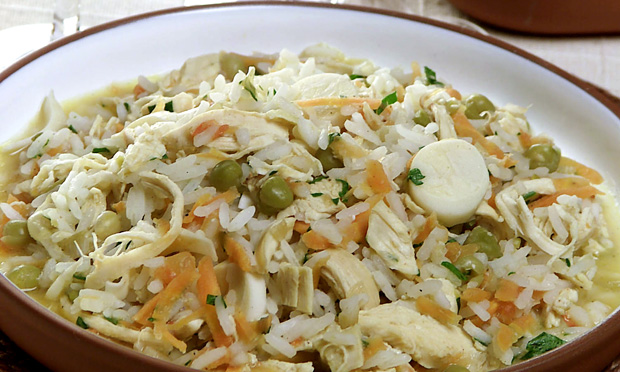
(455, 368)
(275, 193)
(230, 64)
(487, 243)
(328, 160)
(25, 276)
(543, 155)
(476, 105)
(108, 223)
(15, 233)
(470, 263)
(421, 117)
(225, 175)
(453, 105)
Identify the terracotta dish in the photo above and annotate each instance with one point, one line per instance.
(553, 17)
(582, 121)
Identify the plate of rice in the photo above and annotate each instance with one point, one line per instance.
(209, 188)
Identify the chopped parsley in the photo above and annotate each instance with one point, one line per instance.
(365, 343)
(111, 320)
(458, 304)
(188, 362)
(454, 270)
(511, 273)
(335, 201)
(417, 245)
(71, 128)
(431, 77)
(317, 179)
(528, 196)
(151, 108)
(151, 319)
(306, 258)
(164, 157)
(98, 150)
(541, 344)
(451, 240)
(249, 87)
(80, 322)
(273, 172)
(355, 76)
(415, 175)
(386, 101)
(169, 106)
(127, 107)
(332, 137)
(211, 300)
(316, 194)
(79, 276)
(343, 192)
(567, 260)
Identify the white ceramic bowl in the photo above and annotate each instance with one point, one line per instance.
(583, 124)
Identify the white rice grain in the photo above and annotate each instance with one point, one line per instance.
(209, 357)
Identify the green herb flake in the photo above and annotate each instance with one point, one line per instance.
(365, 343)
(567, 260)
(355, 76)
(164, 157)
(79, 276)
(273, 172)
(188, 362)
(417, 245)
(111, 320)
(541, 344)
(415, 175)
(249, 87)
(528, 196)
(335, 201)
(431, 77)
(80, 322)
(306, 258)
(169, 106)
(317, 179)
(454, 270)
(345, 189)
(72, 128)
(386, 101)
(316, 194)
(98, 150)
(451, 240)
(511, 273)
(127, 106)
(151, 108)
(458, 304)
(332, 137)
(151, 319)
(211, 299)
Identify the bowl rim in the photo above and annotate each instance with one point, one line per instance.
(610, 324)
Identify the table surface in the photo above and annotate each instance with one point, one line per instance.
(595, 59)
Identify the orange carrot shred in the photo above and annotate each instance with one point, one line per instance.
(376, 177)
(464, 129)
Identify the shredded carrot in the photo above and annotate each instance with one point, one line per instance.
(301, 227)
(475, 295)
(222, 128)
(142, 316)
(376, 177)
(316, 241)
(506, 312)
(375, 344)
(429, 225)
(454, 93)
(455, 250)
(339, 102)
(207, 285)
(247, 331)
(137, 90)
(505, 337)
(196, 314)
(171, 293)
(166, 335)
(237, 254)
(507, 290)
(356, 230)
(173, 266)
(583, 192)
(570, 166)
(464, 129)
(523, 324)
(428, 306)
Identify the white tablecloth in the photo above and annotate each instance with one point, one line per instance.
(594, 58)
